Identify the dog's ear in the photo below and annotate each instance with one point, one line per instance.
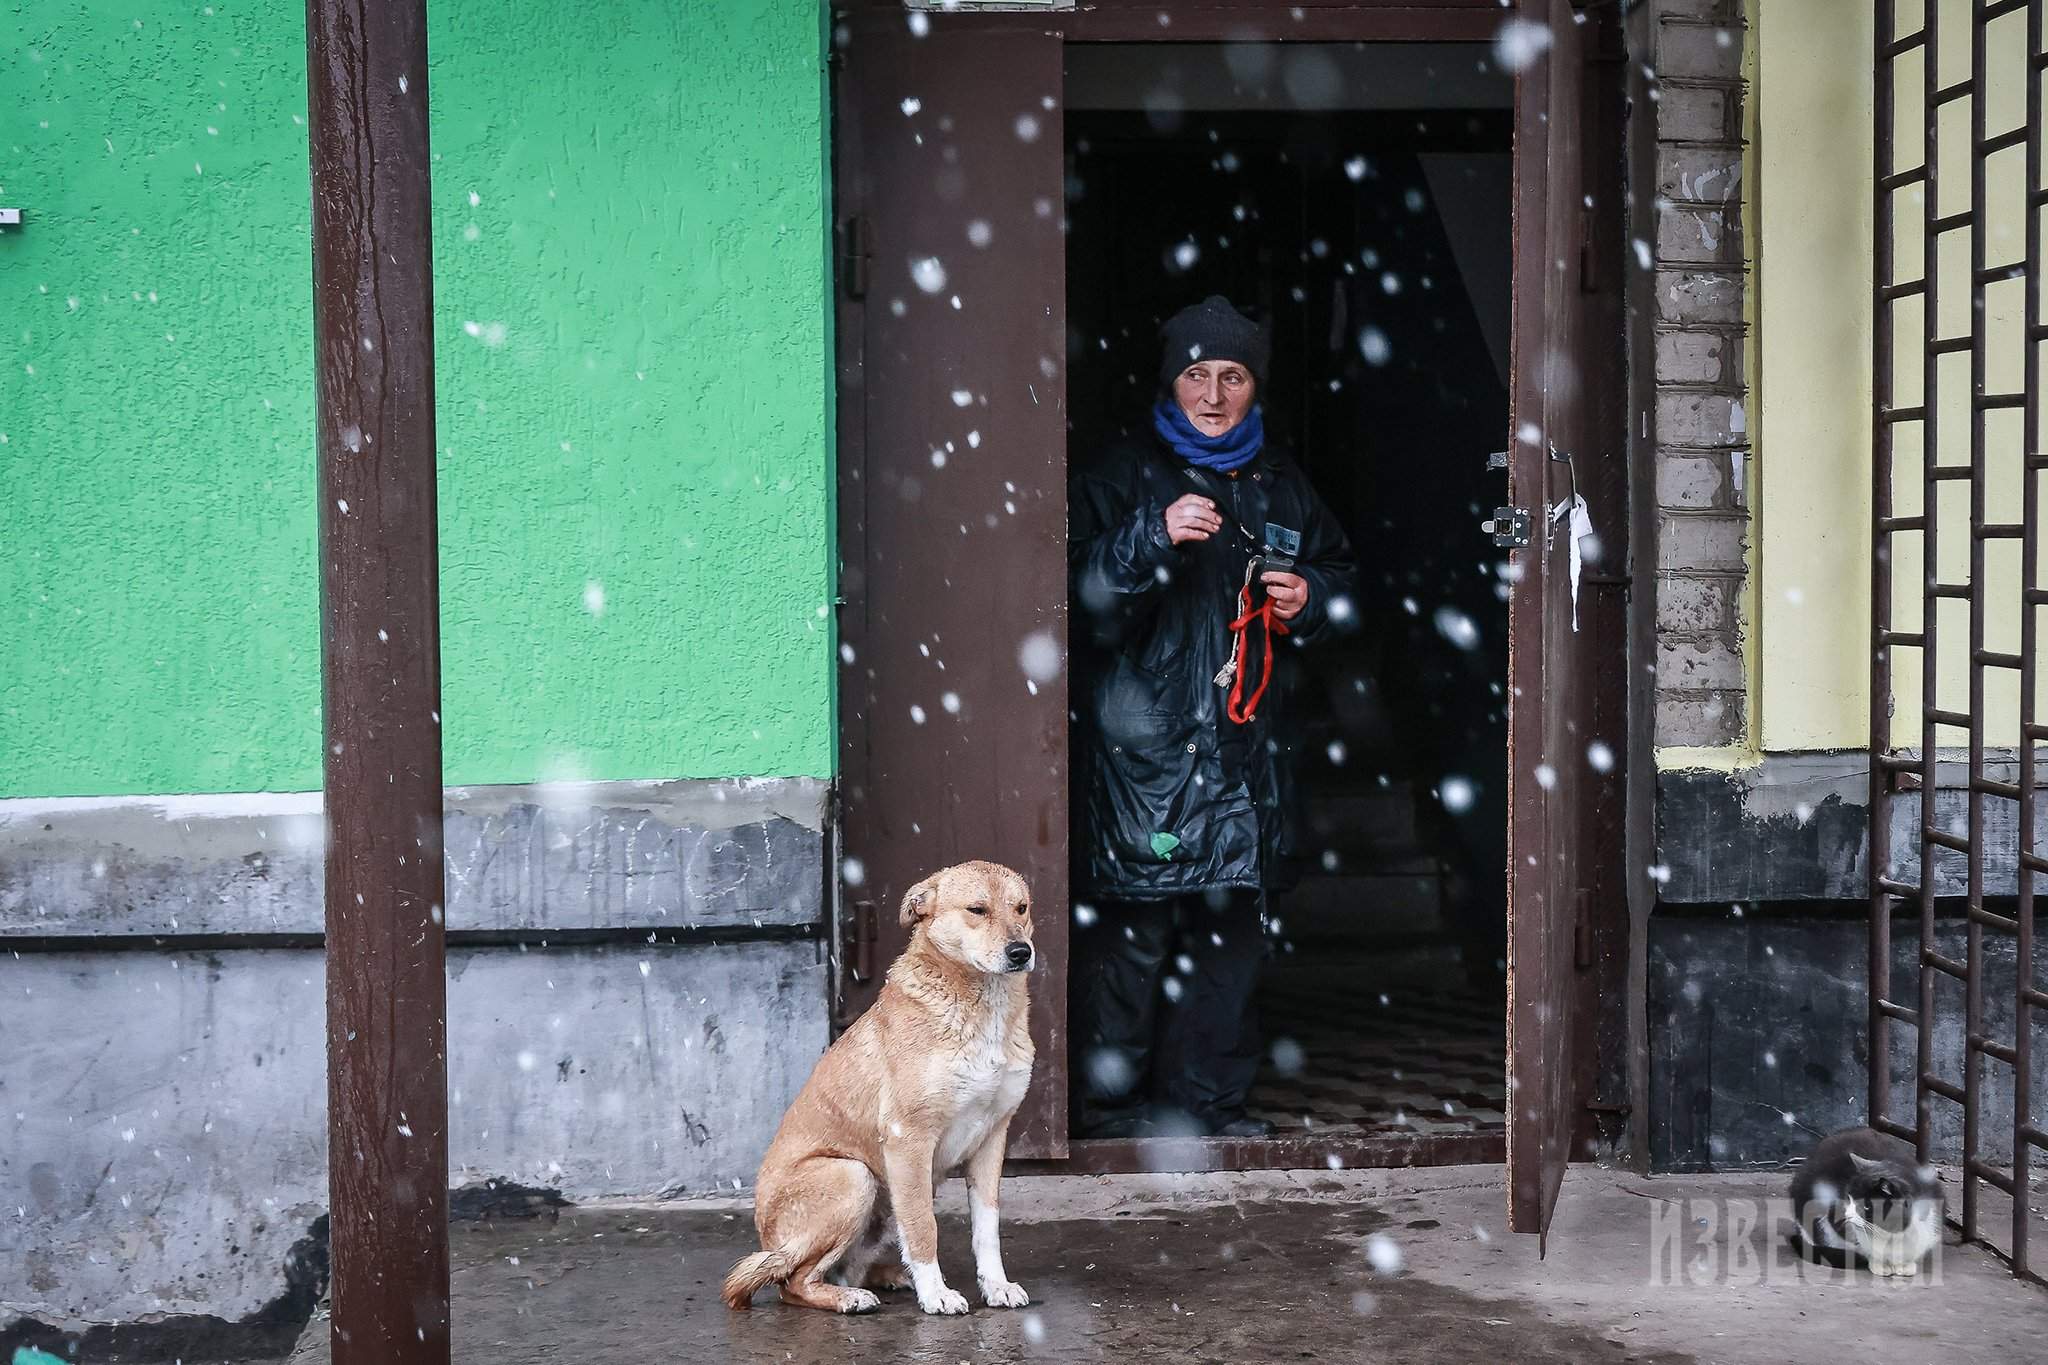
(917, 901)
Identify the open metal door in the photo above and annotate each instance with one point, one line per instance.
(953, 508)
(1547, 665)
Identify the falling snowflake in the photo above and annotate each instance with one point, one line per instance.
(1384, 1254)
(1288, 1057)
(1457, 627)
(1519, 43)
(1039, 656)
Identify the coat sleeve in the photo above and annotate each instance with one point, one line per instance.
(1332, 573)
(1118, 553)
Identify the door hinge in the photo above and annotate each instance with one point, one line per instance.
(854, 250)
(1509, 526)
(867, 932)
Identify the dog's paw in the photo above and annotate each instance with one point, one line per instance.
(859, 1301)
(1004, 1294)
(943, 1300)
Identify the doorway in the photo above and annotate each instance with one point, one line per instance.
(963, 200)
(1356, 199)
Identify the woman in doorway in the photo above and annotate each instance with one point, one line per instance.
(1195, 554)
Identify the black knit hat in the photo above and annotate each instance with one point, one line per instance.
(1212, 330)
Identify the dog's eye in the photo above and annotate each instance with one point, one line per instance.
(1021, 909)
(977, 909)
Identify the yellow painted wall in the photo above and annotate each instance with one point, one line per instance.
(1810, 200)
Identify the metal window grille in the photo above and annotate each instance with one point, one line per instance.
(1997, 456)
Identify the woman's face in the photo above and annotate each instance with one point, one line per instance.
(1214, 395)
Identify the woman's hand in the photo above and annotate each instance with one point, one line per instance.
(1287, 591)
(1193, 517)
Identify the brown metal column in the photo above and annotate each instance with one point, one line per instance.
(1883, 894)
(380, 650)
(2024, 1131)
(1931, 475)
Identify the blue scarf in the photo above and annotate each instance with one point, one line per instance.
(1234, 449)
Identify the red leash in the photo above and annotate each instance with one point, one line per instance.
(1239, 710)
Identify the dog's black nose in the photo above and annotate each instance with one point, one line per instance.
(1020, 956)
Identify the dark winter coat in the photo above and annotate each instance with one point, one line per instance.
(1176, 797)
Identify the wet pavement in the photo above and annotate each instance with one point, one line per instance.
(1262, 1267)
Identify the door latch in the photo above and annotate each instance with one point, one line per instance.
(1509, 527)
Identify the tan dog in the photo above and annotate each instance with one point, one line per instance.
(923, 1082)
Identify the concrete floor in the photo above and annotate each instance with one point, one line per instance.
(1259, 1267)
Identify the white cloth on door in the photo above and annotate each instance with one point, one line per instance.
(1579, 530)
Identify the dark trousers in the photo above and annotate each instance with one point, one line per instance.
(1162, 1017)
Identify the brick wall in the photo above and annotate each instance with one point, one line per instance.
(1699, 425)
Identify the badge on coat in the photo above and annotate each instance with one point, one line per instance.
(1285, 539)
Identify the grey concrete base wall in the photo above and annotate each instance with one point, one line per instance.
(573, 855)
(163, 1099)
(1759, 1036)
(1796, 827)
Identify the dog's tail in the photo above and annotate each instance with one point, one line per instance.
(754, 1272)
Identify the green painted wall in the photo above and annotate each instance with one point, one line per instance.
(633, 354)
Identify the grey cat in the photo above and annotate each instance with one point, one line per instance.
(1860, 1196)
